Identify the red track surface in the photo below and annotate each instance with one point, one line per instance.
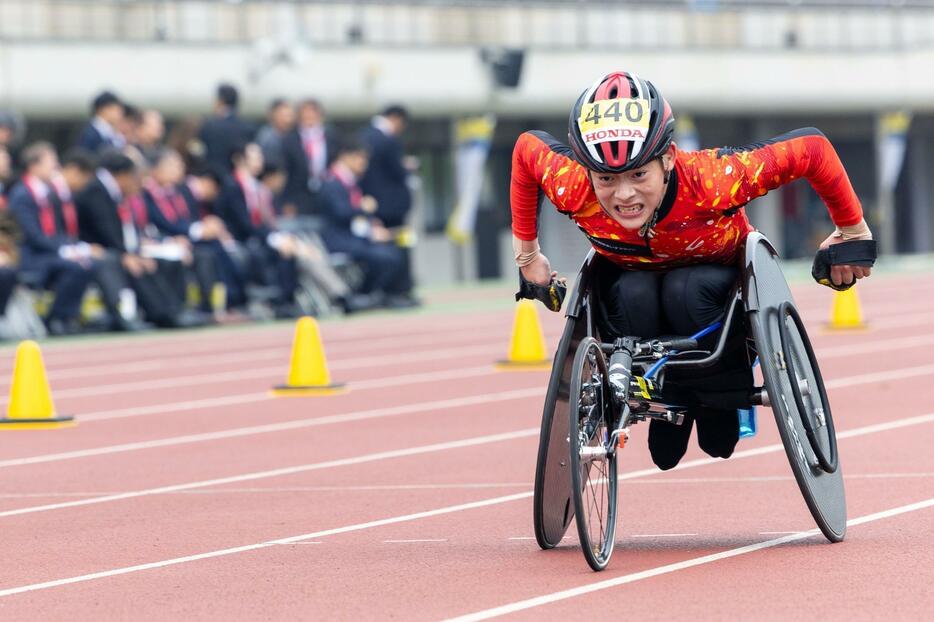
(186, 493)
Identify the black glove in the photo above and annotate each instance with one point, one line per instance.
(551, 295)
(852, 252)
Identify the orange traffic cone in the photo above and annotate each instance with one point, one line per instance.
(31, 406)
(527, 350)
(308, 369)
(846, 313)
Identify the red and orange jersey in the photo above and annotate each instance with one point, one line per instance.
(701, 219)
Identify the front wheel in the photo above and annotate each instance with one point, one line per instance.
(593, 466)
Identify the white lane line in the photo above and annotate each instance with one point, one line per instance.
(206, 361)
(777, 533)
(229, 400)
(758, 451)
(378, 413)
(881, 376)
(253, 547)
(235, 432)
(415, 541)
(268, 372)
(669, 568)
(400, 487)
(415, 516)
(302, 468)
(297, 543)
(662, 535)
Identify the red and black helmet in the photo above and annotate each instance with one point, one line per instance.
(620, 123)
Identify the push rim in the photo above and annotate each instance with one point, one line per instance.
(825, 450)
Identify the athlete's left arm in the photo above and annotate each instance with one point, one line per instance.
(804, 153)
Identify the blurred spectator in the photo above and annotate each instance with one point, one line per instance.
(183, 138)
(352, 228)
(51, 257)
(102, 131)
(201, 191)
(386, 178)
(8, 258)
(6, 174)
(8, 128)
(248, 214)
(149, 134)
(224, 131)
(78, 170)
(308, 152)
(279, 121)
(169, 212)
(111, 214)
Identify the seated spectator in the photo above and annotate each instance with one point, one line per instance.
(149, 134)
(270, 255)
(51, 258)
(112, 214)
(170, 214)
(314, 264)
(78, 169)
(9, 256)
(351, 228)
(102, 131)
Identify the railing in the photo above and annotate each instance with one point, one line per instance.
(537, 24)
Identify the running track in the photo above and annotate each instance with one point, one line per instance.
(186, 493)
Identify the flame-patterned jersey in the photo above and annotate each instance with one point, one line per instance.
(701, 218)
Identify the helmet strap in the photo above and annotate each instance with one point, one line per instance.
(647, 230)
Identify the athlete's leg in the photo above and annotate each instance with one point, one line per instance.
(693, 298)
(630, 303)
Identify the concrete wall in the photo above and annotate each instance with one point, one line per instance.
(56, 79)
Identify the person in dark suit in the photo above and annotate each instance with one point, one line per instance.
(201, 191)
(170, 214)
(111, 214)
(352, 228)
(308, 151)
(386, 178)
(102, 131)
(223, 132)
(247, 210)
(50, 256)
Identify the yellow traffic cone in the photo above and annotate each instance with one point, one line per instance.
(31, 406)
(308, 369)
(527, 350)
(846, 313)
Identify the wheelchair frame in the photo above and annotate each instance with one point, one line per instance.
(767, 305)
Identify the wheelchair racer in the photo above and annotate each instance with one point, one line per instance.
(672, 225)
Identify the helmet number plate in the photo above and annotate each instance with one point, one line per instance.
(614, 119)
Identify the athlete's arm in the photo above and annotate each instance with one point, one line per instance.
(804, 153)
(541, 167)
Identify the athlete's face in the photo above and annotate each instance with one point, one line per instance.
(630, 198)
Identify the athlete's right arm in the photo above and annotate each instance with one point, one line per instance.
(541, 166)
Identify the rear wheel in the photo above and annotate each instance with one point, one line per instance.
(593, 468)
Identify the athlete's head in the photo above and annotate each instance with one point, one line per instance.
(621, 130)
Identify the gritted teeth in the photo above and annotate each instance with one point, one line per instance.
(628, 211)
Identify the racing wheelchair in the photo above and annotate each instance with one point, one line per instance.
(599, 388)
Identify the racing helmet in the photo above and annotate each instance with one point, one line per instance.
(620, 123)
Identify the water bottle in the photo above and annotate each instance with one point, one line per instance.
(747, 421)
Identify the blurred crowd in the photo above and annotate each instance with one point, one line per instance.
(217, 220)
